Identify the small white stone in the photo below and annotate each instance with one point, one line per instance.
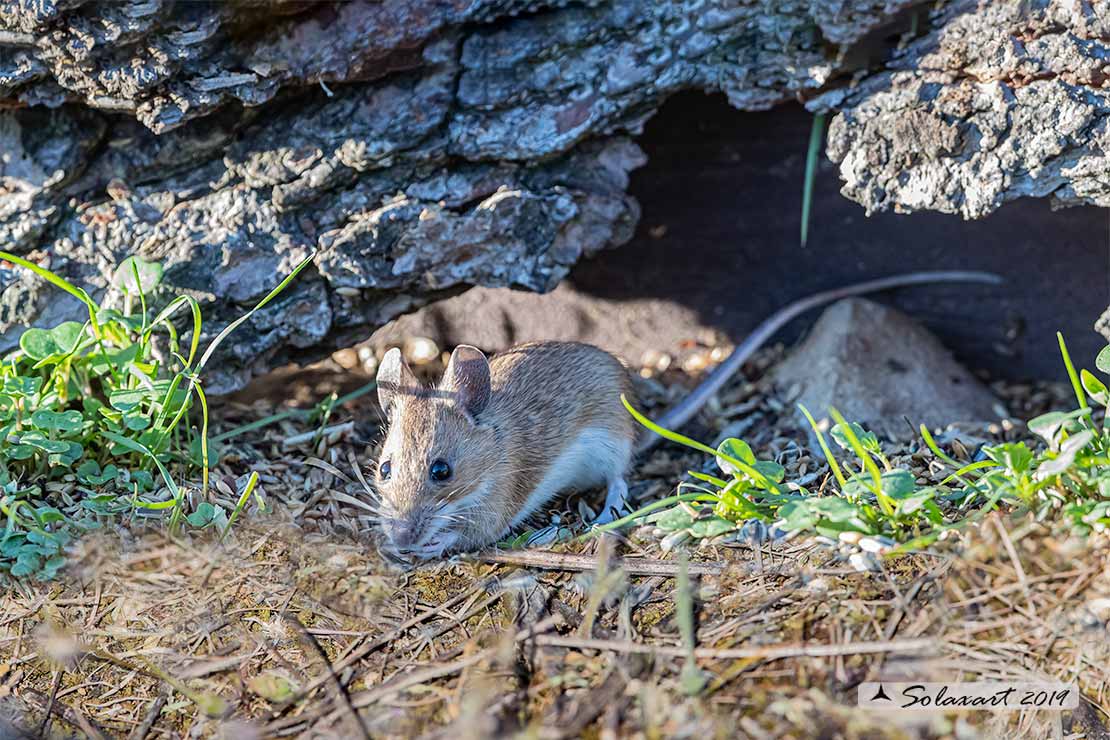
(817, 585)
(1100, 608)
(656, 360)
(863, 562)
(673, 540)
(871, 544)
(420, 350)
(367, 358)
(851, 538)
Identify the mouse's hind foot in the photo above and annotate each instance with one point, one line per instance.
(616, 502)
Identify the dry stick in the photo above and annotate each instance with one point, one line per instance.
(371, 696)
(903, 603)
(608, 694)
(1020, 571)
(339, 687)
(455, 621)
(356, 654)
(151, 717)
(547, 560)
(774, 652)
(400, 683)
(71, 715)
(50, 704)
(299, 439)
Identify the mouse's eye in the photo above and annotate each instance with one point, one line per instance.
(384, 470)
(440, 471)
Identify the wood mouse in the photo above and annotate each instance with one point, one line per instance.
(466, 462)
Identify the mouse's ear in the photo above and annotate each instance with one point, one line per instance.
(394, 380)
(467, 376)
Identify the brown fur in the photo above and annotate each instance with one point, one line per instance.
(542, 396)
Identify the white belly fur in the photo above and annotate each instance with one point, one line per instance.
(594, 458)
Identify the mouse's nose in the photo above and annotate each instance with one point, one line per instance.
(404, 534)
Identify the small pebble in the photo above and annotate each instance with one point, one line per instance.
(367, 359)
(817, 585)
(863, 562)
(851, 538)
(346, 359)
(673, 540)
(696, 362)
(420, 350)
(782, 535)
(872, 544)
(656, 360)
(1100, 609)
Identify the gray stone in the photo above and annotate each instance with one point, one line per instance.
(1000, 100)
(879, 368)
(421, 147)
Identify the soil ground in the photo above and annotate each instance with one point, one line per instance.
(296, 626)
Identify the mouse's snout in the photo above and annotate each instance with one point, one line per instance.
(403, 533)
(417, 535)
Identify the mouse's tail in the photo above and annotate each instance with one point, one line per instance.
(684, 410)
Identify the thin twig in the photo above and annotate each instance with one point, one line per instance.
(356, 653)
(140, 732)
(400, 683)
(546, 560)
(71, 715)
(339, 687)
(50, 703)
(300, 439)
(371, 696)
(1012, 552)
(771, 652)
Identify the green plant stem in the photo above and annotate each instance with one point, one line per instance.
(641, 513)
(824, 447)
(693, 443)
(247, 490)
(1076, 385)
(884, 500)
(203, 440)
(293, 414)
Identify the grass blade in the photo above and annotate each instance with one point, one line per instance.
(692, 443)
(1072, 375)
(234, 324)
(144, 450)
(811, 172)
(142, 296)
(169, 310)
(59, 282)
(203, 439)
(247, 491)
(692, 680)
(935, 448)
(868, 462)
(644, 511)
(824, 447)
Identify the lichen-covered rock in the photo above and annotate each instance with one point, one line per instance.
(999, 101)
(393, 224)
(560, 68)
(420, 147)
